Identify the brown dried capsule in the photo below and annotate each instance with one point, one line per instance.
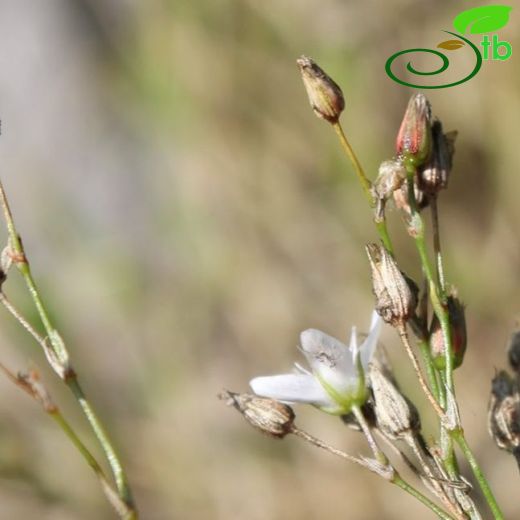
(396, 294)
(433, 175)
(504, 413)
(396, 416)
(267, 415)
(324, 93)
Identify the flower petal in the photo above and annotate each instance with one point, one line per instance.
(330, 360)
(368, 346)
(292, 388)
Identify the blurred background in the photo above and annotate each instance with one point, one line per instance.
(186, 216)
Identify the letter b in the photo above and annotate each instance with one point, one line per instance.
(496, 49)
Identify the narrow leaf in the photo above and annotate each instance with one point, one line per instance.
(451, 45)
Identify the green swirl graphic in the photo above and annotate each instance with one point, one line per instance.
(442, 68)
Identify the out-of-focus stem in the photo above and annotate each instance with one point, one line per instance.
(71, 380)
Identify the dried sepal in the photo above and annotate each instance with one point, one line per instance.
(390, 178)
(434, 174)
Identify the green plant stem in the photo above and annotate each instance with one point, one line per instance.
(376, 450)
(458, 437)
(437, 245)
(394, 479)
(119, 505)
(417, 224)
(431, 373)
(366, 185)
(71, 379)
(398, 481)
(363, 179)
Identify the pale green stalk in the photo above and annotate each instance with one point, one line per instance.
(458, 437)
(69, 377)
(366, 185)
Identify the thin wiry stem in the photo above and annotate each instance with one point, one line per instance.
(376, 450)
(392, 477)
(403, 334)
(32, 387)
(437, 244)
(61, 356)
(458, 436)
(366, 185)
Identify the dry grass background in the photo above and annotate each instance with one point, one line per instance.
(186, 216)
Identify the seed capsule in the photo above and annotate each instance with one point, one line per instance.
(396, 294)
(504, 413)
(267, 415)
(396, 416)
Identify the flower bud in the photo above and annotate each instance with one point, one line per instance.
(513, 352)
(391, 176)
(504, 413)
(457, 317)
(433, 175)
(396, 294)
(414, 138)
(267, 415)
(325, 95)
(396, 416)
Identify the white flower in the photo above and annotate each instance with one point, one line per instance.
(337, 380)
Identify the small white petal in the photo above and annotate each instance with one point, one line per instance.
(292, 388)
(330, 359)
(368, 346)
(353, 342)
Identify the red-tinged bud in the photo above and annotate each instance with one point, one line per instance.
(458, 335)
(414, 138)
(324, 93)
(433, 175)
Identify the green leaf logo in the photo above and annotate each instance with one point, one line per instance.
(451, 45)
(488, 18)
